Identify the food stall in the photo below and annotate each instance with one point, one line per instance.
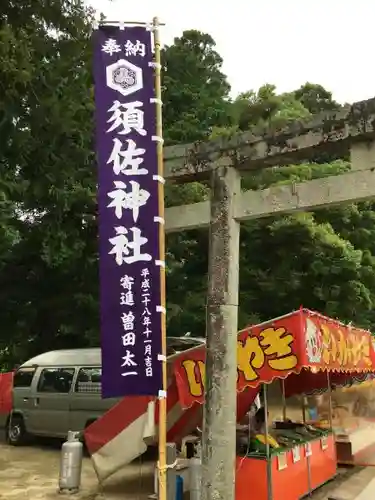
(305, 351)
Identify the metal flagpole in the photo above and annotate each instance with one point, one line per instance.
(162, 465)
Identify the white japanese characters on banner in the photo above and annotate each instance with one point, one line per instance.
(128, 211)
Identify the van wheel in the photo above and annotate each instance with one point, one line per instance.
(16, 431)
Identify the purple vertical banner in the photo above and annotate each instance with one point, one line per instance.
(128, 211)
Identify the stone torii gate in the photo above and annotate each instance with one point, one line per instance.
(351, 131)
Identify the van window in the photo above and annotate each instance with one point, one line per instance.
(56, 380)
(89, 380)
(23, 377)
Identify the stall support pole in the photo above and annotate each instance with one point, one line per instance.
(307, 457)
(329, 399)
(283, 399)
(269, 462)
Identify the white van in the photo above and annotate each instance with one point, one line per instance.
(61, 390)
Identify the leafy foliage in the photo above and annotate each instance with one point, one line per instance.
(195, 89)
(48, 231)
(316, 99)
(48, 278)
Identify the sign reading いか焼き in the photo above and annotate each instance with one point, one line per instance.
(128, 211)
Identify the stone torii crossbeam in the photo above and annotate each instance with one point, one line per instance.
(348, 132)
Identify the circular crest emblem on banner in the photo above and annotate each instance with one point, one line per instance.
(124, 77)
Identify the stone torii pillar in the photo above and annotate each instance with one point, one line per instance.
(220, 412)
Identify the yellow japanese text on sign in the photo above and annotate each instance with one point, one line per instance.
(344, 346)
(259, 357)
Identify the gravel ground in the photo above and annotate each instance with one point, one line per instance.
(31, 472)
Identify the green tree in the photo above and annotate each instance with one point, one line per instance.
(266, 108)
(308, 259)
(48, 281)
(306, 263)
(316, 99)
(195, 89)
(195, 104)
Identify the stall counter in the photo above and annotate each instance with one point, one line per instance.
(322, 461)
(294, 472)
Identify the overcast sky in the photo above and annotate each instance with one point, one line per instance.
(285, 42)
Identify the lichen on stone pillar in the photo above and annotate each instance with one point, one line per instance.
(219, 436)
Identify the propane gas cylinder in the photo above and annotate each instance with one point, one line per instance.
(71, 464)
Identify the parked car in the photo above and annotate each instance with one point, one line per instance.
(61, 390)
